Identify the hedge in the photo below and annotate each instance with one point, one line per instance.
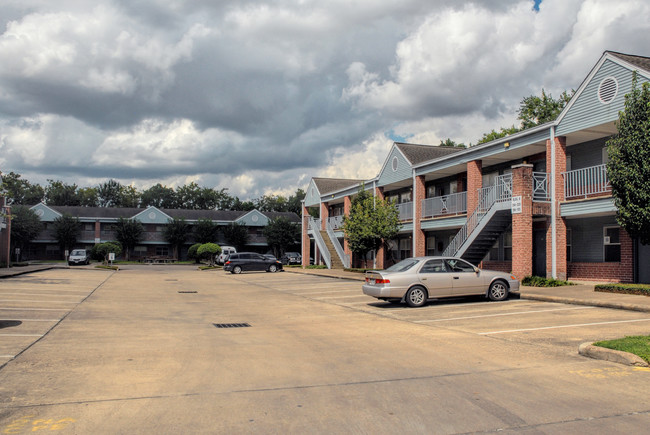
(631, 289)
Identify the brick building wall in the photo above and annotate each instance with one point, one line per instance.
(560, 222)
(306, 248)
(474, 182)
(381, 252)
(522, 223)
(615, 271)
(419, 243)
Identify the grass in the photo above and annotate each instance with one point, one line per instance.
(538, 281)
(316, 266)
(638, 345)
(632, 289)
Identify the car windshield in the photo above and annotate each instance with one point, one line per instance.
(403, 265)
(78, 252)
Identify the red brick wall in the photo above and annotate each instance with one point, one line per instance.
(324, 215)
(522, 223)
(560, 222)
(474, 182)
(347, 206)
(306, 248)
(419, 244)
(381, 252)
(501, 266)
(622, 271)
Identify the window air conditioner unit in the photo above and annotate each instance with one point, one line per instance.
(607, 240)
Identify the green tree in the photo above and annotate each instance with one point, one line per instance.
(88, 197)
(535, 110)
(281, 234)
(487, 137)
(628, 168)
(158, 196)
(129, 197)
(176, 232)
(450, 143)
(66, 231)
(110, 194)
(59, 193)
(192, 252)
(205, 231)
(208, 251)
(25, 226)
(236, 235)
(100, 251)
(188, 196)
(294, 203)
(372, 223)
(128, 232)
(20, 191)
(271, 203)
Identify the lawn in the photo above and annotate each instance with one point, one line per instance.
(638, 345)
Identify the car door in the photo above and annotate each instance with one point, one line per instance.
(434, 276)
(259, 261)
(464, 277)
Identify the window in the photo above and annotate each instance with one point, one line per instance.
(89, 227)
(612, 243)
(431, 245)
(605, 155)
(493, 253)
(453, 187)
(52, 250)
(433, 266)
(568, 162)
(568, 244)
(404, 248)
(507, 245)
(459, 266)
(162, 250)
(405, 197)
(140, 249)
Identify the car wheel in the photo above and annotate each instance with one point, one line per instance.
(236, 269)
(416, 297)
(273, 268)
(498, 291)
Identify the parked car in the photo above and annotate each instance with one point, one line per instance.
(270, 257)
(78, 256)
(291, 258)
(225, 252)
(416, 280)
(248, 261)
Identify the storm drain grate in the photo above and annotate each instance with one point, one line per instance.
(231, 325)
(187, 291)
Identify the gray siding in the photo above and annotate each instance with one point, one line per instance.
(587, 238)
(587, 110)
(586, 154)
(313, 195)
(403, 172)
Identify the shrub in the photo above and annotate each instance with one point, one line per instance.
(538, 281)
(208, 251)
(634, 289)
(192, 252)
(100, 251)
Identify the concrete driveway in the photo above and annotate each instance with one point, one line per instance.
(142, 354)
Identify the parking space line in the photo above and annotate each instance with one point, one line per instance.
(21, 335)
(33, 309)
(40, 294)
(577, 325)
(31, 320)
(8, 356)
(502, 314)
(330, 291)
(338, 297)
(40, 302)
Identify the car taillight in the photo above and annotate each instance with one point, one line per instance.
(228, 262)
(382, 281)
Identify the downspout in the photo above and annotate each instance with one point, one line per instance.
(374, 205)
(414, 209)
(553, 209)
(303, 232)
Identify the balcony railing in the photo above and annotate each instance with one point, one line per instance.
(540, 187)
(455, 203)
(335, 222)
(405, 210)
(586, 182)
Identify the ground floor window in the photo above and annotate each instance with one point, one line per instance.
(568, 244)
(431, 245)
(162, 250)
(507, 245)
(612, 243)
(52, 250)
(404, 248)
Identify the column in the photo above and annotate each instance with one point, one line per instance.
(560, 222)
(98, 232)
(381, 252)
(347, 206)
(474, 182)
(324, 215)
(522, 223)
(306, 248)
(419, 238)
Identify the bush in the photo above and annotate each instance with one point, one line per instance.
(538, 281)
(632, 289)
(192, 252)
(208, 251)
(100, 251)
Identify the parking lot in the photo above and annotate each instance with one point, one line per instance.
(153, 349)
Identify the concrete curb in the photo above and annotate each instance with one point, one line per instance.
(24, 272)
(617, 356)
(588, 302)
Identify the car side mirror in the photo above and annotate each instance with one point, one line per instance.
(476, 269)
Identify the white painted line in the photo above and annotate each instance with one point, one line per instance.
(33, 309)
(338, 297)
(21, 335)
(502, 314)
(330, 291)
(40, 294)
(40, 302)
(564, 326)
(31, 320)
(7, 356)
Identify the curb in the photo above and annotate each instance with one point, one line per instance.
(592, 303)
(617, 356)
(24, 272)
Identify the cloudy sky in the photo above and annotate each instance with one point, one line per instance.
(259, 96)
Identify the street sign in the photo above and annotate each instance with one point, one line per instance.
(515, 205)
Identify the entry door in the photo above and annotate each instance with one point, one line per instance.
(539, 253)
(644, 263)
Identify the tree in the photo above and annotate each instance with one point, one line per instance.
(100, 251)
(236, 235)
(60, 193)
(66, 231)
(281, 234)
(294, 203)
(21, 191)
(176, 232)
(188, 196)
(110, 194)
(271, 203)
(628, 168)
(129, 197)
(487, 137)
(25, 226)
(534, 110)
(451, 144)
(192, 252)
(128, 232)
(372, 223)
(158, 196)
(88, 197)
(208, 251)
(205, 231)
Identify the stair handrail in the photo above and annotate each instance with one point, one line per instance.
(345, 259)
(487, 197)
(314, 226)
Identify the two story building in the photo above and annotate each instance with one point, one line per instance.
(537, 202)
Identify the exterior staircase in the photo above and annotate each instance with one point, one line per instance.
(328, 245)
(336, 261)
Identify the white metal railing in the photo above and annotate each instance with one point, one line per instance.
(454, 203)
(335, 222)
(585, 182)
(405, 210)
(488, 196)
(314, 226)
(540, 187)
(345, 259)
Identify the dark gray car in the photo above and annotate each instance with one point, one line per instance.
(250, 261)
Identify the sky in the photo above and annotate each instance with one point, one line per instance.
(260, 96)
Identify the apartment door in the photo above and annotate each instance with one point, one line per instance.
(643, 263)
(539, 252)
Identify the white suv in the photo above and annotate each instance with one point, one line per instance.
(78, 256)
(225, 253)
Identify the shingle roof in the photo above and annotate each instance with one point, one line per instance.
(423, 153)
(326, 185)
(640, 61)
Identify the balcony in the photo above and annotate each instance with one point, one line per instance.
(405, 210)
(586, 183)
(336, 222)
(447, 205)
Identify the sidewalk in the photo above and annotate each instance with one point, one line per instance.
(581, 294)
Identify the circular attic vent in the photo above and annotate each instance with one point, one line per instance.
(394, 163)
(607, 90)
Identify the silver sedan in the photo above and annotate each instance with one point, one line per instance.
(416, 280)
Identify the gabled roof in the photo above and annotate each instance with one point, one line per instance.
(638, 61)
(415, 153)
(327, 185)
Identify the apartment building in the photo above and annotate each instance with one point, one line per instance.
(537, 202)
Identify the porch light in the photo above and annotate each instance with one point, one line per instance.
(506, 145)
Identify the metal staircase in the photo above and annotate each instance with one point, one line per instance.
(327, 243)
(483, 227)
